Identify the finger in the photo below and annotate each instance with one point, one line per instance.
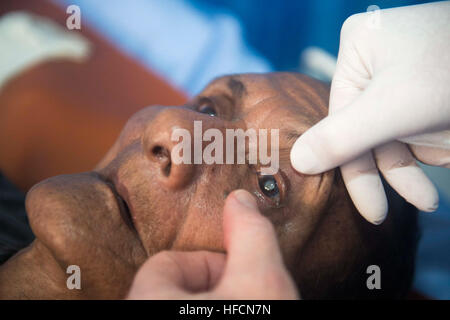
(172, 275)
(250, 238)
(374, 118)
(440, 139)
(254, 262)
(360, 176)
(401, 171)
(432, 156)
(365, 188)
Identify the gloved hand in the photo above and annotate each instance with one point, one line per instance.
(252, 269)
(389, 105)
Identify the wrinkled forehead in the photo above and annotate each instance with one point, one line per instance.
(277, 98)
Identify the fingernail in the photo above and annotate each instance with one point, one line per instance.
(245, 199)
(433, 207)
(377, 222)
(303, 158)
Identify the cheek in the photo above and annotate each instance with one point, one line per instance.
(156, 212)
(306, 207)
(185, 219)
(202, 228)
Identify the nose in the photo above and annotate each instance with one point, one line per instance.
(158, 145)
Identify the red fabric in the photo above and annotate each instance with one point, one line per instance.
(62, 117)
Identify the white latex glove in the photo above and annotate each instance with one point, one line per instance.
(389, 105)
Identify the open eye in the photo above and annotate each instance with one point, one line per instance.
(269, 187)
(207, 108)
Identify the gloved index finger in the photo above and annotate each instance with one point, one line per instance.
(377, 116)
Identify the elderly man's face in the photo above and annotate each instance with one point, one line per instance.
(138, 201)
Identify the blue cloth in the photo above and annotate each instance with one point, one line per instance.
(280, 30)
(185, 45)
(433, 257)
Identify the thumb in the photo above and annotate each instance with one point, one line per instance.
(254, 261)
(250, 239)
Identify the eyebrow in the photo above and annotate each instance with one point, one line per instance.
(237, 88)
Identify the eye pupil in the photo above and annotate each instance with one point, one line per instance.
(269, 186)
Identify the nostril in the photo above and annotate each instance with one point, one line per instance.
(159, 152)
(163, 156)
(166, 169)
